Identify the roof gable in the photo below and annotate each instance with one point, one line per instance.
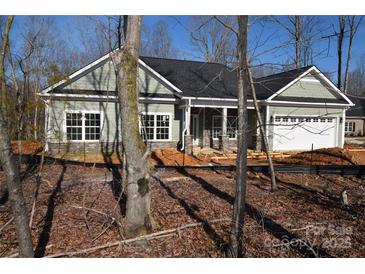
(98, 78)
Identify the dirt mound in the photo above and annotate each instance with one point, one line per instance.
(324, 156)
(27, 147)
(172, 157)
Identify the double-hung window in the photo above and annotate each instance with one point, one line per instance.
(155, 126)
(82, 126)
(216, 126)
(349, 126)
(232, 122)
(232, 127)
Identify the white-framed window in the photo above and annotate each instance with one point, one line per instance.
(232, 126)
(92, 126)
(232, 122)
(82, 126)
(156, 126)
(349, 126)
(74, 126)
(216, 126)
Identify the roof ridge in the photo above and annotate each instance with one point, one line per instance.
(287, 71)
(182, 60)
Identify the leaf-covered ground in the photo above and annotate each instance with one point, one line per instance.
(304, 218)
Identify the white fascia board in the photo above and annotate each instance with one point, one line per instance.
(217, 99)
(73, 75)
(159, 76)
(210, 98)
(355, 117)
(84, 96)
(291, 83)
(333, 86)
(158, 99)
(304, 103)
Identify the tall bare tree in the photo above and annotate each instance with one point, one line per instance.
(212, 37)
(340, 37)
(158, 42)
(125, 61)
(236, 234)
(9, 164)
(353, 25)
(261, 128)
(302, 31)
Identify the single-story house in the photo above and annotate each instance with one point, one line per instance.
(355, 117)
(185, 104)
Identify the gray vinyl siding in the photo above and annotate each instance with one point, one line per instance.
(111, 127)
(110, 118)
(103, 79)
(307, 111)
(308, 89)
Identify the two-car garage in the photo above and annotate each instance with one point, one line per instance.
(303, 132)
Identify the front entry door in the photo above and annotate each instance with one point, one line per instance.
(195, 129)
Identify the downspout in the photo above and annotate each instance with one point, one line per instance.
(185, 128)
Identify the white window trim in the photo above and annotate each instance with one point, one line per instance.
(222, 122)
(352, 126)
(155, 126)
(83, 112)
(215, 116)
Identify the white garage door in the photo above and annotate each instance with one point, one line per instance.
(299, 133)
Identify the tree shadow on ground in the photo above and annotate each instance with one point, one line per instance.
(277, 230)
(48, 220)
(4, 198)
(191, 211)
(116, 184)
(326, 200)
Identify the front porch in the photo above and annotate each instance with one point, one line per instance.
(216, 127)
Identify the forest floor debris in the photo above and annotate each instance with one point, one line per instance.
(307, 209)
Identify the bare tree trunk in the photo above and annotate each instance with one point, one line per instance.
(138, 191)
(262, 131)
(9, 165)
(298, 40)
(236, 235)
(353, 29)
(341, 33)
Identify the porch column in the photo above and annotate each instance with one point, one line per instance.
(187, 119)
(223, 139)
(188, 140)
(258, 139)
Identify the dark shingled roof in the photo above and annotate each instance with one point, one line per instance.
(359, 109)
(196, 79)
(213, 80)
(268, 85)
